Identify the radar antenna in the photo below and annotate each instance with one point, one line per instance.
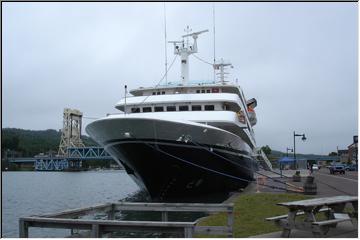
(220, 66)
(185, 50)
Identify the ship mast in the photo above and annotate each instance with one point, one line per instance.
(184, 50)
(220, 66)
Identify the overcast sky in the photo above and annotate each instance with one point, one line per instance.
(299, 60)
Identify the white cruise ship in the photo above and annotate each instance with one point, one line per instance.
(183, 140)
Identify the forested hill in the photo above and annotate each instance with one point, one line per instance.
(28, 143)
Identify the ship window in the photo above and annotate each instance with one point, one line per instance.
(197, 91)
(184, 108)
(208, 91)
(159, 109)
(162, 92)
(209, 107)
(135, 110)
(203, 91)
(171, 108)
(146, 109)
(154, 93)
(196, 108)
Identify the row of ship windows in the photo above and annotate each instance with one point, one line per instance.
(158, 93)
(215, 90)
(174, 108)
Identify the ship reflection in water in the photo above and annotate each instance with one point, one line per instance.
(142, 196)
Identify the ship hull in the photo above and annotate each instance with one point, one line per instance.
(179, 169)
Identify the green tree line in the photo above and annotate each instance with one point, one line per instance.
(28, 143)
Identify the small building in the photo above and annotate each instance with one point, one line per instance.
(353, 151)
(323, 160)
(343, 155)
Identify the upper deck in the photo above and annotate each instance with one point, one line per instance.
(188, 89)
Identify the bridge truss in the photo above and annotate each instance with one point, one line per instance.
(73, 160)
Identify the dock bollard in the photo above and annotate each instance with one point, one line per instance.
(260, 181)
(296, 177)
(310, 187)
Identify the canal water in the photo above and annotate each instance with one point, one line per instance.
(31, 193)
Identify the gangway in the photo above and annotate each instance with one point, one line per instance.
(263, 160)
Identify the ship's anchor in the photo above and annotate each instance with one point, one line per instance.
(184, 138)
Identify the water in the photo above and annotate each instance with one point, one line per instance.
(32, 193)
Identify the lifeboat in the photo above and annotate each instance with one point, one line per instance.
(251, 104)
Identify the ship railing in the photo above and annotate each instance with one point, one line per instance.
(71, 219)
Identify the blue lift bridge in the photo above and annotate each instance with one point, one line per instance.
(72, 150)
(73, 160)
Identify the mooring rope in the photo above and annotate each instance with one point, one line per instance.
(275, 172)
(202, 60)
(217, 172)
(161, 79)
(273, 179)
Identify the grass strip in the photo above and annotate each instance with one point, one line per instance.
(250, 211)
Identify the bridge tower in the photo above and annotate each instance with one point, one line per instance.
(71, 131)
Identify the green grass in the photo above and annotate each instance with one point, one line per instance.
(250, 211)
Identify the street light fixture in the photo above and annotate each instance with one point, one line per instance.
(303, 138)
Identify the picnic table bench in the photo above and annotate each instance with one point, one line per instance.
(333, 207)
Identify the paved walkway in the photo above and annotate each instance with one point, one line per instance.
(287, 173)
(343, 230)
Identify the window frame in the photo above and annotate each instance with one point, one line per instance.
(171, 107)
(192, 107)
(147, 108)
(156, 108)
(138, 110)
(185, 106)
(207, 106)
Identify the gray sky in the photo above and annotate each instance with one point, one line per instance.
(299, 60)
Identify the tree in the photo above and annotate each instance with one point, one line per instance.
(266, 149)
(333, 154)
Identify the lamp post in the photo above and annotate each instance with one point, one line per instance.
(287, 155)
(303, 138)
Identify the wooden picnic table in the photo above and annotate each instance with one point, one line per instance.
(332, 206)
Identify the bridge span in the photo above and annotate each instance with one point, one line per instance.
(71, 161)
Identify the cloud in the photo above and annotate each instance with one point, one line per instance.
(298, 59)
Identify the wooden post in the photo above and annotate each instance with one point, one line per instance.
(354, 217)
(95, 231)
(23, 229)
(164, 216)
(111, 216)
(230, 222)
(289, 223)
(188, 232)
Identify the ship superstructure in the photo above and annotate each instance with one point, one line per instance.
(183, 139)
